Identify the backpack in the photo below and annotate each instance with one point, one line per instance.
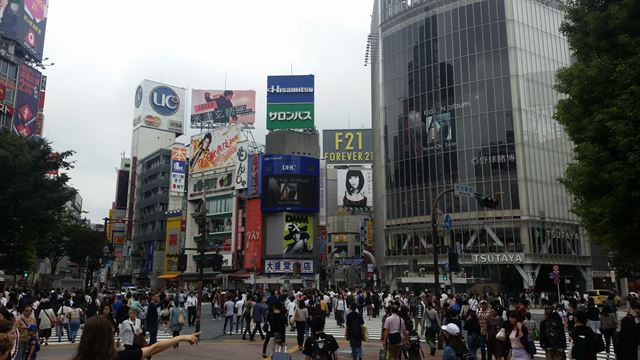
(414, 340)
(586, 345)
(320, 348)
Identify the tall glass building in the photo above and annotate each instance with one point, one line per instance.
(462, 93)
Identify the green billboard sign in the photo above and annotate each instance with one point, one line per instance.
(290, 116)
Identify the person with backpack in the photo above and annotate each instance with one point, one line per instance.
(552, 337)
(608, 327)
(455, 348)
(320, 346)
(586, 344)
(354, 332)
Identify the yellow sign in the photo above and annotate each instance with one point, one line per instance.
(348, 146)
(172, 246)
(370, 233)
(108, 229)
(118, 237)
(339, 238)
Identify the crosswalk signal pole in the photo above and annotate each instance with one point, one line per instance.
(436, 247)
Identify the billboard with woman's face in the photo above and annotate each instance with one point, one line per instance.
(214, 149)
(355, 188)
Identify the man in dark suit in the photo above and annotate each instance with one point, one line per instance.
(153, 319)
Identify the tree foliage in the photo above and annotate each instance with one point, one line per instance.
(84, 243)
(30, 199)
(601, 116)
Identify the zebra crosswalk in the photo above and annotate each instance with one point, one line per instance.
(374, 328)
(53, 340)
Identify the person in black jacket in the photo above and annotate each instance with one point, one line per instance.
(474, 337)
(552, 336)
(626, 343)
(585, 342)
(354, 332)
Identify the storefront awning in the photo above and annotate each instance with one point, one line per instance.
(240, 274)
(168, 276)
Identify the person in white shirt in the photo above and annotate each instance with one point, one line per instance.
(473, 304)
(191, 304)
(238, 314)
(291, 310)
(129, 328)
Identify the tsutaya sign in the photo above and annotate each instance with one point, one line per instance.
(498, 258)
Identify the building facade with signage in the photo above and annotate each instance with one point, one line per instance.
(460, 96)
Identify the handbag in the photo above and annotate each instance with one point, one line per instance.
(51, 320)
(138, 339)
(181, 320)
(502, 334)
(365, 333)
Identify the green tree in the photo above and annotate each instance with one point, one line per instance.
(600, 113)
(30, 199)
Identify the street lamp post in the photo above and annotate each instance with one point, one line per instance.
(436, 250)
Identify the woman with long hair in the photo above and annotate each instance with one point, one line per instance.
(517, 335)
(47, 321)
(74, 321)
(201, 150)
(301, 315)
(354, 183)
(175, 323)
(97, 343)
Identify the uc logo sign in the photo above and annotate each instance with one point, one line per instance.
(164, 100)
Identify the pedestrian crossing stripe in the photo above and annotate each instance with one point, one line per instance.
(53, 340)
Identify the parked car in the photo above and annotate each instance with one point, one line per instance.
(599, 296)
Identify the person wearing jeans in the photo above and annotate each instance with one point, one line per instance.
(259, 316)
(228, 316)
(74, 321)
(63, 321)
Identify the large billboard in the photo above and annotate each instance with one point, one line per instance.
(214, 149)
(298, 234)
(253, 236)
(345, 147)
(172, 245)
(25, 21)
(159, 106)
(290, 102)
(26, 111)
(223, 107)
(178, 169)
(355, 188)
(122, 189)
(290, 183)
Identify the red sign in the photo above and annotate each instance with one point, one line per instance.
(253, 236)
(3, 90)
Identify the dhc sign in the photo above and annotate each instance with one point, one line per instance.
(164, 100)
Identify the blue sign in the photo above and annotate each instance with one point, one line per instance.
(352, 261)
(290, 89)
(448, 222)
(178, 166)
(164, 100)
(290, 183)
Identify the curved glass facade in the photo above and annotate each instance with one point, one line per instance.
(464, 95)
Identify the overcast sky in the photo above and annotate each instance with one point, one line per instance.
(102, 50)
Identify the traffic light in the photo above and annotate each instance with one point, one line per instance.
(488, 202)
(454, 265)
(25, 275)
(182, 262)
(445, 277)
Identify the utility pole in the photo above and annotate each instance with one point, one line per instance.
(200, 216)
(436, 249)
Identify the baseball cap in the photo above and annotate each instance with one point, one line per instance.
(32, 327)
(452, 329)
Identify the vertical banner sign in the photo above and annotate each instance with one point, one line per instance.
(322, 216)
(149, 262)
(24, 117)
(370, 234)
(172, 245)
(253, 235)
(298, 234)
(178, 169)
(254, 176)
(242, 164)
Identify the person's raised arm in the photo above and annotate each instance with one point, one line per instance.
(164, 345)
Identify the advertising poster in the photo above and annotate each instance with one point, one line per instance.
(24, 116)
(322, 216)
(284, 266)
(290, 102)
(118, 237)
(355, 188)
(159, 106)
(290, 183)
(172, 245)
(223, 107)
(344, 147)
(254, 176)
(214, 149)
(178, 169)
(253, 236)
(439, 129)
(298, 234)
(25, 22)
(242, 164)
